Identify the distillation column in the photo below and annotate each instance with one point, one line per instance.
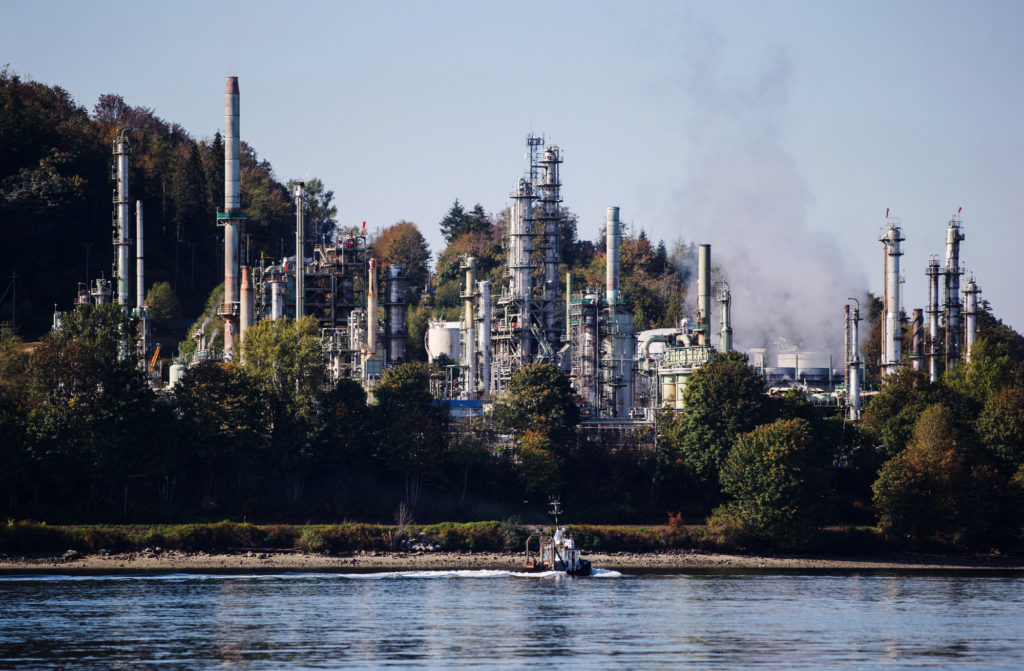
(396, 313)
(917, 340)
(933, 273)
(725, 325)
(485, 335)
(891, 333)
(550, 218)
(469, 327)
(300, 255)
(971, 292)
(122, 237)
(520, 246)
(952, 298)
(232, 215)
(853, 360)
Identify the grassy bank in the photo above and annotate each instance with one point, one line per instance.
(31, 538)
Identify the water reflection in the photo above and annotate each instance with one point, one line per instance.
(703, 621)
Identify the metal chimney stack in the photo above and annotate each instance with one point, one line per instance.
(704, 294)
(300, 256)
(933, 273)
(122, 238)
(140, 275)
(891, 333)
(611, 282)
(853, 360)
(232, 215)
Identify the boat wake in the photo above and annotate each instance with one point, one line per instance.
(475, 573)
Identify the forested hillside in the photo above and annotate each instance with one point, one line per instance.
(56, 200)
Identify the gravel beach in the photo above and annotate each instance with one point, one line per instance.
(259, 560)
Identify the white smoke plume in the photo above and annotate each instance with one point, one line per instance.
(744, 194)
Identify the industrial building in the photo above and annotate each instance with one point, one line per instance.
(620, 377)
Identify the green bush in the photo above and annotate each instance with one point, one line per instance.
(352, 536)
(32, 537)
(311, 540)
(476, 536)
(222, 535)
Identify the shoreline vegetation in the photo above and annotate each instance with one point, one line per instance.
(29, 547)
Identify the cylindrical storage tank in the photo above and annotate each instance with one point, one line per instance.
(177, 371)
(443, 338)
(668, 391)
(277, 288)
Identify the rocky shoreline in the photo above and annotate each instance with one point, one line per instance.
(261, 560)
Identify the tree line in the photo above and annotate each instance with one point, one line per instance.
(269, 438)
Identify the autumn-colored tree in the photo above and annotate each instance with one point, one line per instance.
(403, 243)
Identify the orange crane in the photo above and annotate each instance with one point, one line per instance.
(152, 362)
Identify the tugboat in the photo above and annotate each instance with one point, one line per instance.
(557, 552)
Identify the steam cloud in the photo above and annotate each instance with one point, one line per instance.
(744, 194)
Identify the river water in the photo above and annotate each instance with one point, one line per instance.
(491, 619)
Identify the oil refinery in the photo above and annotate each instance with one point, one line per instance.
(621, 377)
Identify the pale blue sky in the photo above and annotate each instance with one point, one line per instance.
(777, 131)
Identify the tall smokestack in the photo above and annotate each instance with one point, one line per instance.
(122, 198)
(232, 213)
(891, 340)
(371, 311)
(704, 294)
(140, 275)
(612, 256)
(300, 262)
(933, 273)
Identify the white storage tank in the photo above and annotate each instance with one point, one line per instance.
(176, 373)
(443, 338)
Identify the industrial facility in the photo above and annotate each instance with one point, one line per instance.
(620, 377)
